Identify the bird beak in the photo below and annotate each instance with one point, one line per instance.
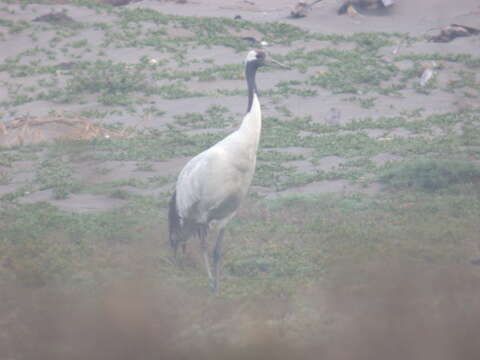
(276, 64)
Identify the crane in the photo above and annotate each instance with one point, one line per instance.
(212, 184)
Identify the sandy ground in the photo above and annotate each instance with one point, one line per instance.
(415, 18)
(409, 16)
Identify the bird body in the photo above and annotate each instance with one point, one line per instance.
(224, 171)
(212, 184)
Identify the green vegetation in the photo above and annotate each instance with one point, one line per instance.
(44, 245)
(350, 69)
(144, 75)
(55, 174)
(432, 175)
(214, 118)
(108, 79)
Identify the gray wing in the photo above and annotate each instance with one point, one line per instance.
(189, 184)
(201, 184)
(209, 187)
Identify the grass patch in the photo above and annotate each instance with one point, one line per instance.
(42, 245)
(349, 69)
(107, 78)
(431, 174)
(214, 117)
(56, 175)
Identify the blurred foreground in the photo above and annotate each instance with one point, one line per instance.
(397, 312)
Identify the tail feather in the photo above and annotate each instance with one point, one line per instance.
(174, 225)
(343, 8)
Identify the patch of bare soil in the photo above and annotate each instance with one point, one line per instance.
(408, 16)
(343, 187)
(26, 131)
(83, 203)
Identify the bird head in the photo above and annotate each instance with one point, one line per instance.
(259, 58)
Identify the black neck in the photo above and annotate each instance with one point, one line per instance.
(250, 71)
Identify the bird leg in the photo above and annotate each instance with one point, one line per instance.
(217, 257)
(175, 250)
(184, 248)
(203, 239)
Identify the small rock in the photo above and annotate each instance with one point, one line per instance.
(333, 117)
(299, 10)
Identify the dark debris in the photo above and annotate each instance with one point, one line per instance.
(453, 31)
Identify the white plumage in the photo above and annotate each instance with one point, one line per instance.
(223, 171)
(212, 185)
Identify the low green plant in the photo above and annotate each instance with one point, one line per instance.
(431, 174)
(56, 175)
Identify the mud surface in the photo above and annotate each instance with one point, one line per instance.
(324, 107)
